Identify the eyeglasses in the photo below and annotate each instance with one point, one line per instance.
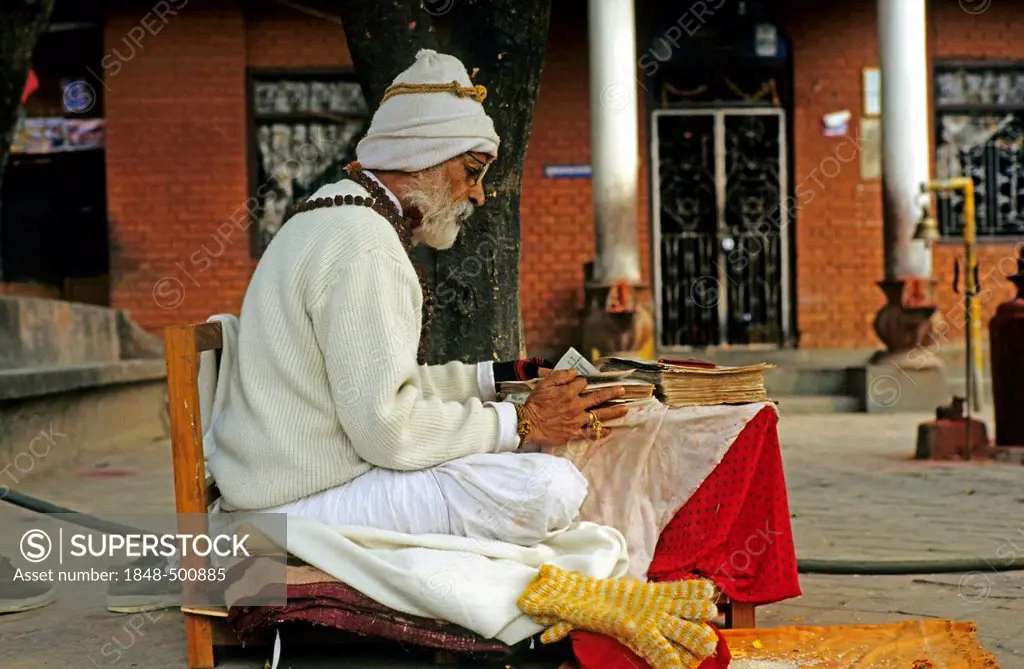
(476, 174)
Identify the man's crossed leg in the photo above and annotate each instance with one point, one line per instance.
(518, 498)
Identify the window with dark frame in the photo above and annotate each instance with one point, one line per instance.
(304, 126)
(979, 131)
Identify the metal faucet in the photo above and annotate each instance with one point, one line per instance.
(928, 232)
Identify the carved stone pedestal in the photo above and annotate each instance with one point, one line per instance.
(907, 375)
(906, 326)
(953, 436)
(618, 321)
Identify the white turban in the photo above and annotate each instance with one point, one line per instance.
(416, 130)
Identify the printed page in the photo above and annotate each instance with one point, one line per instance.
(574, 358)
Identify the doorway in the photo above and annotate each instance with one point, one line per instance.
(721, 238)
(53, 224)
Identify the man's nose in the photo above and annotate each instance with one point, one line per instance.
(476, 195)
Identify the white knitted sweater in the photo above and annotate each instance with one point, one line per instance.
(326, 383)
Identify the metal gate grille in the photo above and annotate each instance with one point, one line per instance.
(721, 269)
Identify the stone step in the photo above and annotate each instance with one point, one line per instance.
(797, 380)
(790, 405)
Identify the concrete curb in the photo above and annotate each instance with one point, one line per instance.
(37, 381)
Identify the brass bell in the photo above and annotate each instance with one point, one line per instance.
(927, 229)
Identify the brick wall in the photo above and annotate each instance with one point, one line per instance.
(168, 263)
(557, 225)
(838, 225)
(281, 37)
(839, 231)
(176, 150)
(176, 166)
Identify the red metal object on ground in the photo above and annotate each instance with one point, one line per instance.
(1006, 332)
(952, 439)
(952, 436)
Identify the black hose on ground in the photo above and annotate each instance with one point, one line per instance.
(75, 517)
(905, 567)
(808, 566)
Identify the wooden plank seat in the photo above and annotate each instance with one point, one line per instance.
(208, 628)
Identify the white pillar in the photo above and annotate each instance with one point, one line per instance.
(905, 144)
(614, 139)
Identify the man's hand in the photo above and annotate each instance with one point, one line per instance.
(559, 414)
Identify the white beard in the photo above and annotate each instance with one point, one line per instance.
(440, 232)
(441, 216)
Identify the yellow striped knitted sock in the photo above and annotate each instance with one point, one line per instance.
(698, 639)
(696, 611)
(556, 632)
(644, 639)
(558, 598)
(629, 589)
(693, 600)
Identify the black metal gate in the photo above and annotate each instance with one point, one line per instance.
(720, 227)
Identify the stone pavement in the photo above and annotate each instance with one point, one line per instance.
(855, 492)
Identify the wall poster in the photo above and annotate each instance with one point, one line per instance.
(304, 128)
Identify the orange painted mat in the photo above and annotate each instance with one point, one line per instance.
(915, 644)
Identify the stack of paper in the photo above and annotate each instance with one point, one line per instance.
(635, 390)
(683, 385)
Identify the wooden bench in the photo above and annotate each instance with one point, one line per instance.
(194, 491)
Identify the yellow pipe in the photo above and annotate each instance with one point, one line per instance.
(966, 185)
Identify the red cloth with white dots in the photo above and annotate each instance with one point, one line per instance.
(734, 530)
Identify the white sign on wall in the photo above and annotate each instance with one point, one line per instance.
(872, 91)
(766, 40)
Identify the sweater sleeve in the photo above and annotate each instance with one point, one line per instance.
(368, 324)
(458, 381)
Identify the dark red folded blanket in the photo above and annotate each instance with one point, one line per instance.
(337, 606)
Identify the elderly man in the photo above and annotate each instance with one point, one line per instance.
(330, 415)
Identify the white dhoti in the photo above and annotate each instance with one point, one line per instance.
(518, 498)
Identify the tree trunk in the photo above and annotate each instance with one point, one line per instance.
(21, 24)
(502, 44)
